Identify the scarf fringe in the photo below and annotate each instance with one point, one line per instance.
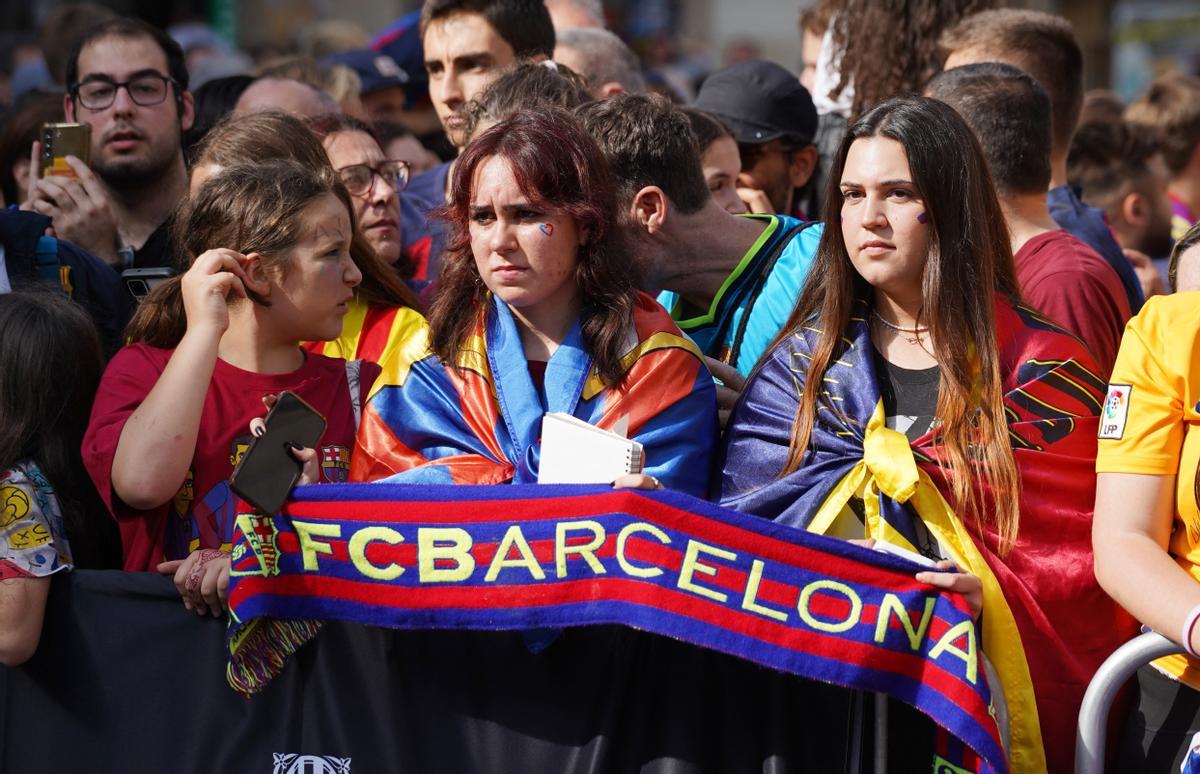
(263, 651)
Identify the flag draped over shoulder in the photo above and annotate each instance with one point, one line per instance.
(480, 423)
(528, 556)
(1046, 623)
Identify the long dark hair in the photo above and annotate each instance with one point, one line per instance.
(560, 168)
(968, 263)
(51, 361)
(252, 208)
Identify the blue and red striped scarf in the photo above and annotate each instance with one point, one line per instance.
(524, 557)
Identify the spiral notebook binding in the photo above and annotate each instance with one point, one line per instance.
(635, 458)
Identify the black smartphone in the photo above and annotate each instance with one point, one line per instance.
(268, 471)
(60, 141)
(139, 282)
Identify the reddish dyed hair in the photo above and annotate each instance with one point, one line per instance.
(559, 167)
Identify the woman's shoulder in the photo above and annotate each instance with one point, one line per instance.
(1175, 315)
(651, 323)
(132, 371)
(1168, 329)
(135, 354)
(24, 472)
(32, 540)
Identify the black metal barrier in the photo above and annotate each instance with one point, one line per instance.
(125, 679)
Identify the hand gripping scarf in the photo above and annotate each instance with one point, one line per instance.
(1046, 623)
(480, 423)
(529, 556)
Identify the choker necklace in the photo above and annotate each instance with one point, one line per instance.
(911, 335)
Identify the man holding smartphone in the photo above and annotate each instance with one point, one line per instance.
(128, 80)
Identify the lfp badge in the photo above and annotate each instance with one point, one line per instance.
(1116, 410)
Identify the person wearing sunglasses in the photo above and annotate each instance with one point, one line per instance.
(374, 182)
(128, 81)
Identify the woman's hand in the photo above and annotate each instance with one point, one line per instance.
(755, 200)
(310, 472)
(947, 577)
(637, 481)
(207, 287)
(202, 580)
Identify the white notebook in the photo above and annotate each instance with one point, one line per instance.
(575, 452)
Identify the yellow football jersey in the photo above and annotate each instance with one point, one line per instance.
(1150, 423)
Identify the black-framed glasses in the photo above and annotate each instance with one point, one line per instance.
(147, 90)
(358, 178)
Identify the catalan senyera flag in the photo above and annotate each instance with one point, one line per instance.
(478, 421)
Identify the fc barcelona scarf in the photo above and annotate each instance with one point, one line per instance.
(1046, 624)
(528, 556)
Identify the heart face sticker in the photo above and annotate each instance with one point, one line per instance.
(546, 228)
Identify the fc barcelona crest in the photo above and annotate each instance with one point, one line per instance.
(261, 534)
(335, 463)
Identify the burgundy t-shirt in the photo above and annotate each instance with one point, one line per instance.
(202, 513)
(1073, 286)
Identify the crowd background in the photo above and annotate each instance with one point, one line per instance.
(1126, 42)
(384, 181)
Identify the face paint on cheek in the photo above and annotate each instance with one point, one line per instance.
(923, 218)
(547, 229)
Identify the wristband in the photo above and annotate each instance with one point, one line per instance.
(1189, 623)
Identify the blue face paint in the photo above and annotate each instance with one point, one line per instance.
(923, 218)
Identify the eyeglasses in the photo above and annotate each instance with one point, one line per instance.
(358, 178)
(147, 90)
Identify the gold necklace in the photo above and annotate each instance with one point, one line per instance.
(911, 335)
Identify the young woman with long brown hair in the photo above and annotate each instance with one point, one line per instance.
(913, 400)
(537, 312)
(270, 268)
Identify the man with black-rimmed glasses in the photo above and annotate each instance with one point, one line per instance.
(128, 80)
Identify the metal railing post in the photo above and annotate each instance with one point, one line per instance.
(1102, 690)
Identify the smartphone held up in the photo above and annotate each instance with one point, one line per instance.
(60, 141)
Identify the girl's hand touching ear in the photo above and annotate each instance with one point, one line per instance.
(207, 287)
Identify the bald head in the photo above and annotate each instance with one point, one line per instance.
(566, 14)
(285, 95)
(606, 64)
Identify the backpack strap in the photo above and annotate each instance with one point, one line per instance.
(764, 273)
(46, 260)
(354, 381)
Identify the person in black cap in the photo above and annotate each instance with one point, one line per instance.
(383, 83)
(773, 120)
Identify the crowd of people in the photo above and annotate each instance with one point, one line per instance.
(938, 299)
